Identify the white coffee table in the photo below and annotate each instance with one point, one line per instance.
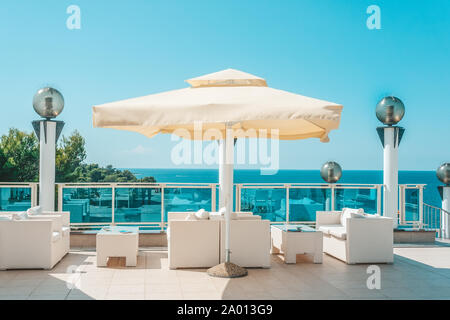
(117, 241)
(291, 240)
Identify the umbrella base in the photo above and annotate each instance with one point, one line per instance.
(227, 270)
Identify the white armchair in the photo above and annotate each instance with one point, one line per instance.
(62, 225)
(355, 237)
(250, 242)
(193, 244)
(31, 243)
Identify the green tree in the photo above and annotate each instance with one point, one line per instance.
(19, 161)
(20, 157)
(70, 154)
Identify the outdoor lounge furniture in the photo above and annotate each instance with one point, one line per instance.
(355, 237)
(291, 240)
(33, 241)
(200, 243)
(249, 242)
(192, 244)
(117, 241)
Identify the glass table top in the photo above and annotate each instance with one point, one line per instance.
(294, 227)
(119, 230)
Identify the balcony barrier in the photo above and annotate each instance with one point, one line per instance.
(93, 205)
(16, 196)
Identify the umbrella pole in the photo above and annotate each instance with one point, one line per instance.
(226, 163)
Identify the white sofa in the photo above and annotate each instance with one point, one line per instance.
(355, 237)
(33, 241)
(201, 243)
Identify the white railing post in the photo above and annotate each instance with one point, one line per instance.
(287, 202)
(238, 198)
(213, 197)
(445, 218)
(379, 200)
(113, 204)
(162, 207)
(420, 206)
(60, 197)
(34, 195)
(332, 198)
(402, 205)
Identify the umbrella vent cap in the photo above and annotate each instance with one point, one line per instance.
(227, 78)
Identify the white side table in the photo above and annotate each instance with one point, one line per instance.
(117, 241)
(291, 240)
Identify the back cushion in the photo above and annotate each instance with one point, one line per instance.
(35, 210)
(202, 214)
(348, 213)
(20, 216)
(344, 216)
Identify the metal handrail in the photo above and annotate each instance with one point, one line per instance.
(434, 218)
(238, 186)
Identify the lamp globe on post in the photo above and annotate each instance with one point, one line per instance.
(443, 174)
(48, 103)
(390, 111)
(331, 172)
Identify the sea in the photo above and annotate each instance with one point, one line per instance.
(431, 194)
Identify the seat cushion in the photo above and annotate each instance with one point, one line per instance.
(339, 233)
(65, 231)
(20, 216)
(245, 216)
(56, 236)
(215, 216)
(326, 228)
(372, 216)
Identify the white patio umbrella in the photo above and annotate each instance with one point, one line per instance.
(222, 106)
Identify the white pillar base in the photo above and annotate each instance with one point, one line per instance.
(47, 165)
(390, 174)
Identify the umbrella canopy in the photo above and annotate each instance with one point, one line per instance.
(228, 96)
(226, 101)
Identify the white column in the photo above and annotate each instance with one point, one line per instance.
(445, 216)
(47, 165)
(226, 160)
(391, 174)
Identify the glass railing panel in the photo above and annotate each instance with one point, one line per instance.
(411, 204)
(356, 198)
(186, 199)
(15, 198)
(269, 203)
(137, 205)
(304, 202)
(88, 205)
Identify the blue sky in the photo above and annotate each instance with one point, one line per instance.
(320, 48)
